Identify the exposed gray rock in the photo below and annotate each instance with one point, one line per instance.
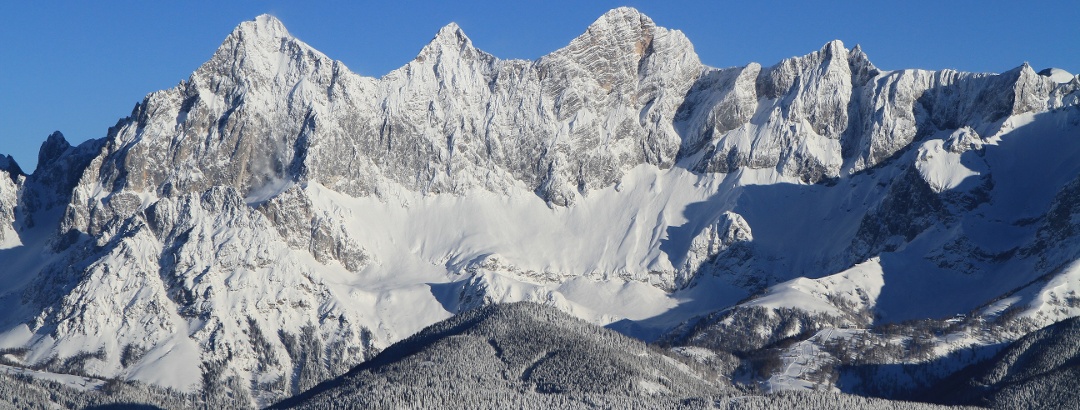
(730, 228)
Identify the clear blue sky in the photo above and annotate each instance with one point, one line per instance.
(80, 66)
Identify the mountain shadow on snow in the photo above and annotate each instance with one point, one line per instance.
(1038, 371)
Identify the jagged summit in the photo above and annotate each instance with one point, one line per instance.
(862, 70)
(264, 26)
(53, 147)
(451, 35)
(833, 48)
(8, 164)
(624, 50)
(263, 35)
(256, 47)
(858, 62)
(619, 28)
(858, 54)
(450, 38)
(624, 13)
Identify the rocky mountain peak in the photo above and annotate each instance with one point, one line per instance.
(8, 164)
(263, 27)
(623, 14)
(834, 49)
(254, 49)
(835, 53)
(53, 147)
(862, 70)
(857, 51)
(624, 46)
(620, 28)
(449, 38)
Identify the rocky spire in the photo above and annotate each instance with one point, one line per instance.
(449, 38)
(8, 164)
(52, 148)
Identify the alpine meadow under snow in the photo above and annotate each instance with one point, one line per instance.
(751, 237)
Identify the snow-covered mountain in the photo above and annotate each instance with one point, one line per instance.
(276, 219)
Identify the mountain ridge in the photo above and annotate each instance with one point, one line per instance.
(275, 219)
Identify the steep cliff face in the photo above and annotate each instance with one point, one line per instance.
(456, 118)
(276, 218)
(9, 198)
(833, 113)
(268, 110)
